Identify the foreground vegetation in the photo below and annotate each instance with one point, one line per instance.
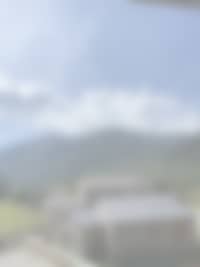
(16, 219)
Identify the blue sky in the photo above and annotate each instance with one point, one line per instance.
(63, 61)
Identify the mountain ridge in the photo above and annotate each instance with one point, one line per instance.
(54, 159)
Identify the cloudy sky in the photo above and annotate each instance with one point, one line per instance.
(72, 66)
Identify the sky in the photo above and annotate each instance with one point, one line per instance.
(73, 66)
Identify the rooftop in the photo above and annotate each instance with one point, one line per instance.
(135, 209)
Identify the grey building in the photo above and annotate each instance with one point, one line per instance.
(143, 230)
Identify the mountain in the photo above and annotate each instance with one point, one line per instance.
(49, 160)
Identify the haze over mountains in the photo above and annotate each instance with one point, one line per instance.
(53, 159)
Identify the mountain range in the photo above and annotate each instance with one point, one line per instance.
(52, 159)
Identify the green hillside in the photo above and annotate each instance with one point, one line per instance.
(49, 160)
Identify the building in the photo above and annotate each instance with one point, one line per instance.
(125, 222)
(145, 230)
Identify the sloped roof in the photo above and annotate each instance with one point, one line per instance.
(141, 208)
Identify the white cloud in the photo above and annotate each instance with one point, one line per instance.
(22, 91)
(140, 110)
(31, 106)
